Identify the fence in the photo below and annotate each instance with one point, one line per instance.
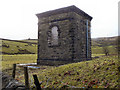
(36, 81)
(26, 76)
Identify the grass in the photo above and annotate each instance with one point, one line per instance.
(97, 73)
(13, 47)
(99, 50)
(30, 40)
(9, 60)
(101, 72)
(97, 55)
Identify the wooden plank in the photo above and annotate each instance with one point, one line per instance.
(36, 82)
(26, 77)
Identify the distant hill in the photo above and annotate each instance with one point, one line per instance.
(104, 40)
(111, 44)
(32, 41)
(29, 46)
(18, 46)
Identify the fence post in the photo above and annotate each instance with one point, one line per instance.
(26, 77)
(36, 81)
(14, 69)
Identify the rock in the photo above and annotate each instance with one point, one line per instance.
(9, 83)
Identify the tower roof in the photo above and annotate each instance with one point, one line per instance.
(64, 10)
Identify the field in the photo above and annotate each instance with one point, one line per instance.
(9, 60)
(110, 43)
(29, 46)
(12, 47)
(100, 72)
(97, 73)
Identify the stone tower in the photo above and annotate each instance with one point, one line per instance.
(64, 36)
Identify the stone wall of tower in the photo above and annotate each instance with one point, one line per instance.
(74, 41)
(64, 50)
(80, 38)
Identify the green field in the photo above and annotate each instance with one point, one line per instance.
(29, 46)
(30, 40)
(9, 60)
(101, 72)
(99, 50)
(13, 47)
(97, 73)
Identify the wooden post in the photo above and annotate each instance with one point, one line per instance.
(26, 78)
(14, 69)
(36, 81)
(119, 68)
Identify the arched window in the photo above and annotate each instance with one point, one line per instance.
(54, 37)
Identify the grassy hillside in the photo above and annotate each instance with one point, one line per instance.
(109, 42)
(96, 73)
(18, 47)
(100, 50)
(29, 46)
(105, 40)
(30, 40)
(8, 60)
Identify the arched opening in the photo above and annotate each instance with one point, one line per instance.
(54, 35)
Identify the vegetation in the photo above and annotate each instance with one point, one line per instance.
(29, 46)
(30, 40)
(105, 40)
(105, 45)
(16, 47)
(9, 60)
(100, 50)
(97, 73)
(101, 72)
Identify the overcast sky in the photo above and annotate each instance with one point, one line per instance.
(18, 19)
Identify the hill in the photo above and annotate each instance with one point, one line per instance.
(110, 43)
(104, 40)
(97, 73)
(29, 46)
(34, 41)
(18, 46)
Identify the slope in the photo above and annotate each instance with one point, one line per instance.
(18, 47)
(97, 73)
